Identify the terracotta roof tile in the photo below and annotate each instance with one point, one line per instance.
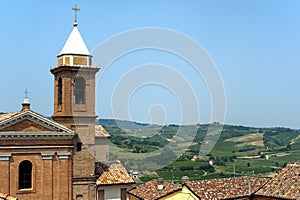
(112, 172)
(7, 115)
(149, 190)
(226, 188)
(101, 132)
(285, 185)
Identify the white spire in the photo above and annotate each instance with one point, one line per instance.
(75, 44)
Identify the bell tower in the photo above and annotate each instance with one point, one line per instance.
(74, 92)
(74, 107)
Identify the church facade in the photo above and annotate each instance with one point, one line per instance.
(35, 156)
(42, 158)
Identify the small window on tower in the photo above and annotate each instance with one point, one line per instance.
(59, 95)
(79, 146)
(79, 90)
(25, 175)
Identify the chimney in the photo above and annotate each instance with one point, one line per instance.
(25, 105)
(184, 179)
(249, 186)
(160, 183)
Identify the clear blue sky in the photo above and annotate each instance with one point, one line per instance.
(255, 45)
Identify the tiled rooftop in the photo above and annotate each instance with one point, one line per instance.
(7, 115)
(285, 185)
(101, 132)
(225, 188)
(149, 190)
(112, 172)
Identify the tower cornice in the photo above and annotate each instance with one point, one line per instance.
(80, 69)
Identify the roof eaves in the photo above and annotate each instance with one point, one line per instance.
(185, 184)
(115, 184)
(273, 196)
(171, 192)
(128, 192)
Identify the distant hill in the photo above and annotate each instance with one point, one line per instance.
(247, 150)
(269, 137)
(121, 123)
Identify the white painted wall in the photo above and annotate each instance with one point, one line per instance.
(113, 192)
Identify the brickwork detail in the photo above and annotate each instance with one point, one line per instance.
(51, 178)
(80, 118)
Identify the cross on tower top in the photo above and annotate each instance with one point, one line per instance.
(76, 9)
(26, 104)
(26, 92)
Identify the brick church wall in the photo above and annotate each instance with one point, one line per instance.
(51, 174)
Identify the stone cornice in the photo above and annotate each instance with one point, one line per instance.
(30, 135)
(64, 155)
(5, 157)
(74, 68)
(47, 156)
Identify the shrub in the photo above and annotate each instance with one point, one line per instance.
(186, 168)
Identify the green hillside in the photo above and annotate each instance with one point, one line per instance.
(239, 151)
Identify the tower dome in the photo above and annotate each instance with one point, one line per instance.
(74, 52)
(74, 44)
